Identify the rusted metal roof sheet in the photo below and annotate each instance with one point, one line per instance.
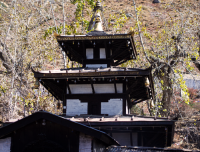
(140, 149)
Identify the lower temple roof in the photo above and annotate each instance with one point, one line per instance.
(46, 116)
(82, 72)
(55, 81)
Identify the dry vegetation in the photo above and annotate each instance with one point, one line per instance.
(22, 45)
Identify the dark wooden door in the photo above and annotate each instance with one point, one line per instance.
(94, 108)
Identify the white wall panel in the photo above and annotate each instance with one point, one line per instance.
(99, 88)
(5, 144)
(127, 111)
(85, 143)
(112, 107)
(108, 88)
(80, 88)
(89, 53)
(75, 107)
(96, 65)
(102, 53)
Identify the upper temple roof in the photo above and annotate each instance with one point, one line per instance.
(105, 49)
(119, 48)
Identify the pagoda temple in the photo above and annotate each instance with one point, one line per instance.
(101, 93)
(100, 86)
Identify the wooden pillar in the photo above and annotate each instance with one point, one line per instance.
(124, 99)
(64, 98)
(131, 138)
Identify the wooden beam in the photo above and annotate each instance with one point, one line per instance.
(128, 91)
(86, 38)
(83, 51)
(123, 59)
(120, 62)
(128, 101)
(67, 84)
(131, 138)
(91, 81)
(64, 104)
(91, 74)
(117, 51)
(105, 96)
(133, 45)
(124, 106)
(64, 99)
(115, 86)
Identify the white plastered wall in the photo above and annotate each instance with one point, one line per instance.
(89, 53)
(5, 144)
(75, 107)
(96, 65)
(112, 107)
(108, 88)
(99, 88)
(85, 143)
(80, 89)
(127, 110)
(102, 53)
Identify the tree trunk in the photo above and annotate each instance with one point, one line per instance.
(164, 76)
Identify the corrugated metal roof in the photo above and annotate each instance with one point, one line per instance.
(140, 149)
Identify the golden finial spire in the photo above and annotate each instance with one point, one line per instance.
(98, 24)
(98, 5)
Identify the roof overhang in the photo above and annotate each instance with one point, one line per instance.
(135, 77)
(122, 46)
(5, 131)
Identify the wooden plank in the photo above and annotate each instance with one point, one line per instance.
(67, 84)
(122, 60)
(133, 46)
(96, 96)
(91, 81)
(115, 86)
(124, 106)
(131, 139)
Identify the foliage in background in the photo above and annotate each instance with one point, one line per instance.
(27, 40)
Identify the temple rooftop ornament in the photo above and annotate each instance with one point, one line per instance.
(97, 47)
(98, 5)
(98, 24)
(98, 28)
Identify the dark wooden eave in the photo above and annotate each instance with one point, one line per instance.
(55, 81)
(4, 131)
(75, 45)
(65, 74)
